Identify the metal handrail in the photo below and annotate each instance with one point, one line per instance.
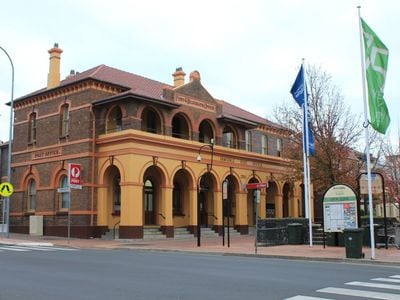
(114, 228)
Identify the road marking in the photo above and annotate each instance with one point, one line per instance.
(375, 285)
(300, 297)
(360, 293)
(33, 248)
(13, 249)
(387, 280)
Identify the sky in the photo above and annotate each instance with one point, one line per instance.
(247, 52)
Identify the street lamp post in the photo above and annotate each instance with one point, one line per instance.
(209, 168)
(9, 141)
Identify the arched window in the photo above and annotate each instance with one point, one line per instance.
(32, 128)
(114, 120)
(31, 195)
(177, 199)
(117, 194)
(64, 196)
(148, 203)
(180, 127)
(229, 138)
(205, 132)
(64, 120)
(151, 121)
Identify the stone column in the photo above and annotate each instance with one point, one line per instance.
(131, 225)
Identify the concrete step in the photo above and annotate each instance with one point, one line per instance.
(153, 233)
(208, 232)
(181, 233)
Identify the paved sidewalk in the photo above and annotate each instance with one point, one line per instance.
(239, 245)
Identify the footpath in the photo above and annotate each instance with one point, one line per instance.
(239, 245)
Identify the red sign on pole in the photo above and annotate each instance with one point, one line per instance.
(256, 185)
(74, 175)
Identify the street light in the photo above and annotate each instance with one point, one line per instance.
(9, 141)
(209, 168)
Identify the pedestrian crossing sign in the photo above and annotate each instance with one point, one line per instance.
(6, 189)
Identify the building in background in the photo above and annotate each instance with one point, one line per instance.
(137, 141)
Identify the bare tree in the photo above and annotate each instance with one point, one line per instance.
(336, 132)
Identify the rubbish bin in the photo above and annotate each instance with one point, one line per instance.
(353, 241)
(295, 233)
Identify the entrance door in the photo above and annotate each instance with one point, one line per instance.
(148, 203)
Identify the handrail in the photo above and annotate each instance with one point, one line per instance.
(114, 228)
(212, 215)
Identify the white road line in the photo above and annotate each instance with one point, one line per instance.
(300, 297)
(31, 248)
(360, 293)
(387, 280)
(64, 249)
(13, 249)
(375, 285)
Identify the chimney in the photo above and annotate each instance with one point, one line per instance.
(53, 80)
(179, 77)
(195, 75)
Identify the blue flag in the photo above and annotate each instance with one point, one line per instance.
(298, 88)
(299, 93)
(311, 145)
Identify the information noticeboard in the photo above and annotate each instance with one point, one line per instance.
(340, 208)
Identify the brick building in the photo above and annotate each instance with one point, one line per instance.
(137, 141)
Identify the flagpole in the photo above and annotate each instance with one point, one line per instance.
(366, 123)
(307, 154)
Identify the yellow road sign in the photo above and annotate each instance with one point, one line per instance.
(6, 189)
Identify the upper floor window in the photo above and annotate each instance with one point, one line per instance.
(64, 120)
(32, 128)
(206, 133)
(114, 120)
(264, 144)
(279, 147)
(31, 195)
(248, 140)
(180, 127)
(151, 121)
(64, 197)
(228, 138)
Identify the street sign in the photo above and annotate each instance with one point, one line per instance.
(256, 185)
(64, 189)
(74, 176)
(6, 189)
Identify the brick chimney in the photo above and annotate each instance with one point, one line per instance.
(179, 77)
(53, 80)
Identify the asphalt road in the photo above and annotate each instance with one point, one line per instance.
(127, 274)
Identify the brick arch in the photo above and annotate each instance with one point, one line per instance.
(30, 173)
(211, 124)
(143, 108)
(186, 120)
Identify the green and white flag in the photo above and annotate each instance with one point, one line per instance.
(376, 61)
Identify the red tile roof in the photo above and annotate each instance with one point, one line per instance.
(146, 87)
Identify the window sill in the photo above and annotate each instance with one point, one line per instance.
(64, 137)
(116, 213)
(62, 213)
(29, 213)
